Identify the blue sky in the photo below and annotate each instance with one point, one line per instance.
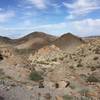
(56, 17)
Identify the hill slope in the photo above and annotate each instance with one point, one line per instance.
(5, 40)
(34, 40)
(68, 40)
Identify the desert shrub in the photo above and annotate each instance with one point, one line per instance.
(71, 67)
(75, 59)
(61, 58)
(84, 92)
(84, 95)
(24, 51)
(55, 59)
(72, 86)
(35, 76)
(79, 65)
(92, 78)
(43, 62)
(93, 68)
(95, 58)
(67, 97)
(85, 98)
(97, 66)
(97, 51)
(83, 76)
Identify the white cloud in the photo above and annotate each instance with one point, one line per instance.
(5, 16)
(40, 4)
(86, 27)
(82, 7)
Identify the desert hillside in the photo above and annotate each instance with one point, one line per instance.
(34, 40)
(45, 67)
(68, 40)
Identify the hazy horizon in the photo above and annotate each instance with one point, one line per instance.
(56, 17)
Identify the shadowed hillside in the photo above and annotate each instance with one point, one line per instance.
(34, 40)
(5, 40)
(68, 40)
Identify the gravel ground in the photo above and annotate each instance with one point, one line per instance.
(29, 93)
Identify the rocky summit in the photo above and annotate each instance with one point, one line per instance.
(40, 66)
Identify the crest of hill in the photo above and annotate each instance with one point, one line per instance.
(5, 40)
(37, 40)
(34, 35)
(68, 40)
(34, 40)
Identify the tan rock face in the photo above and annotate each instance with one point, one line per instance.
(63, 84)
(59, 98)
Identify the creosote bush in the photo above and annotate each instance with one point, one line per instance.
(55, 59)
(95, 58)
(43, 62)
(93, 68)
(35, 76)
(92, 78)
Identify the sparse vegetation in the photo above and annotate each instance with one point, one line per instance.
(92, 78)
(71, 67)
(95, 58)
(93, 68)
(79, 65)
(67, 97)
(24, 51)
(97, 51)
(61, 58)
(84, 92)
(84, 95)
(35, 76)
(55, 59)
(83, 76)
(72, 86)
(71, 70)
(42, 62)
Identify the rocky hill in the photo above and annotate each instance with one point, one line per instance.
(68, 40)
(5, 40)
(34, 40)
(54, 71)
